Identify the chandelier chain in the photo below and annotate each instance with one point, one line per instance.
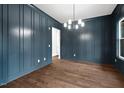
(73, 12)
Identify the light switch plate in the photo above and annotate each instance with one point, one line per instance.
(49, 28)
(115, 60)
(49, 45)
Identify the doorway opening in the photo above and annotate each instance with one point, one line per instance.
(55, 43)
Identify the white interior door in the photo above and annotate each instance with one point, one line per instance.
(55, 42)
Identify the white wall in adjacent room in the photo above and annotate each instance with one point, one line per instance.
(55, 42)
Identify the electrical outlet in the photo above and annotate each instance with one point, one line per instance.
(38, 60)
(74, 54)
(44, 59)
(115, 60)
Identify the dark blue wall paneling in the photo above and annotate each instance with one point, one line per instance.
(13, 39)
(4, 44)
(27, 41)
(24, 38)
(91, 43)
(1, 44)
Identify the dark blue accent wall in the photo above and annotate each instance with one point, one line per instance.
(91, 43)
(24, 38)
(116, 16)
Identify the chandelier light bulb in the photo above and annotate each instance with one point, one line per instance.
(69, 27)
(76, 26)
(65, 24)
(69, 21)
(82, 24)
(79, 21)
(70, 24)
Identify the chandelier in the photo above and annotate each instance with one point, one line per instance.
(72, 24)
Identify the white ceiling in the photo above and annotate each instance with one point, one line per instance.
(63, 12)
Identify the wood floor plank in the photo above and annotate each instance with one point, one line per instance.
(70, 74)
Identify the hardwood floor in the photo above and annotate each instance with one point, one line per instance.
(68, 74)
